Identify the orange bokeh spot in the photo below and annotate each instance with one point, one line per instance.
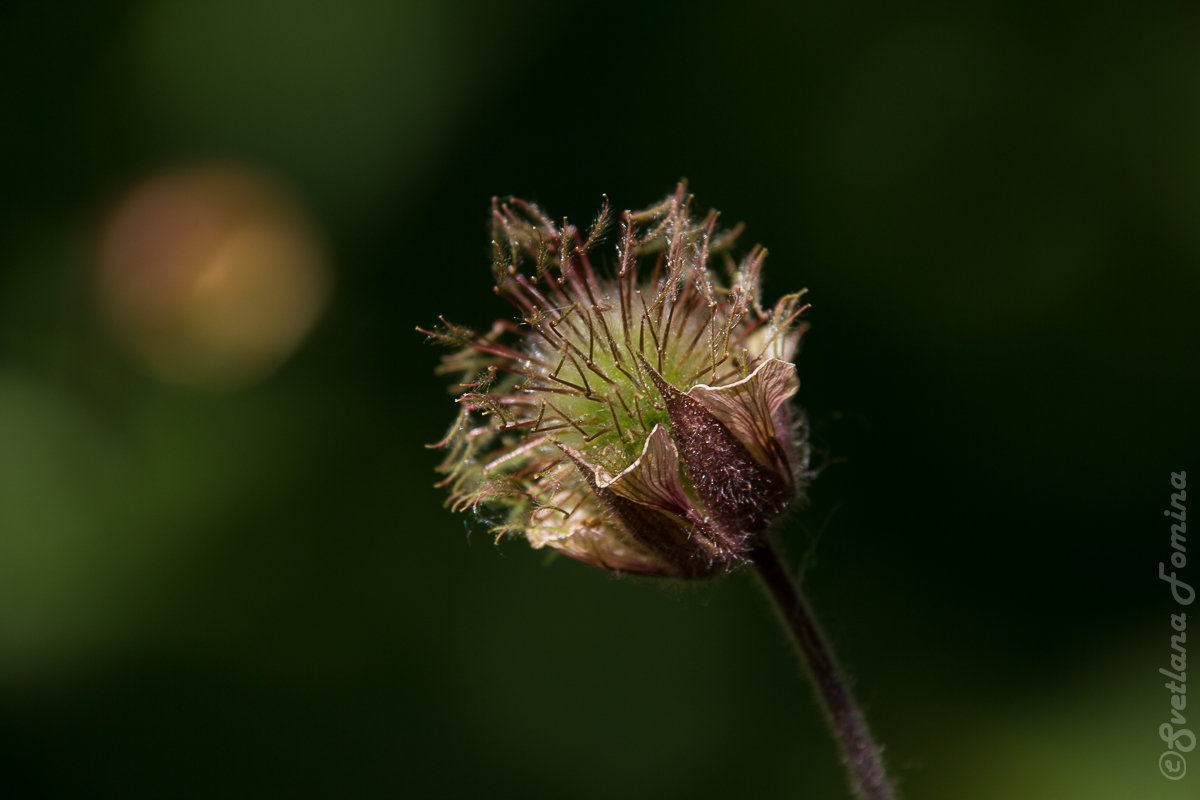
(211, 276)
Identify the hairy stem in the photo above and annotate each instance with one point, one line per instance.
(863, 758)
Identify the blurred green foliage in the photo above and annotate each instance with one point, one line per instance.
(994, 208)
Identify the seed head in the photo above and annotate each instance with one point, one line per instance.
(634, 417)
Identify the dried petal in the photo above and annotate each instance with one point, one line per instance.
(740, 493)
(747, 408)
(668, 535)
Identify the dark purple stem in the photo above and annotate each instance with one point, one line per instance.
(864, 758)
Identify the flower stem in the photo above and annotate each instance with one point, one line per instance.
(863, 758)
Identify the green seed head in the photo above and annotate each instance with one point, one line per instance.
(634, 417)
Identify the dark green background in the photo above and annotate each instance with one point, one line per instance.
(995, 208)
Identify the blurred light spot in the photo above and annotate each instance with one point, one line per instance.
(211, 276)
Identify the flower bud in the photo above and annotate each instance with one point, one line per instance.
(639, 422)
